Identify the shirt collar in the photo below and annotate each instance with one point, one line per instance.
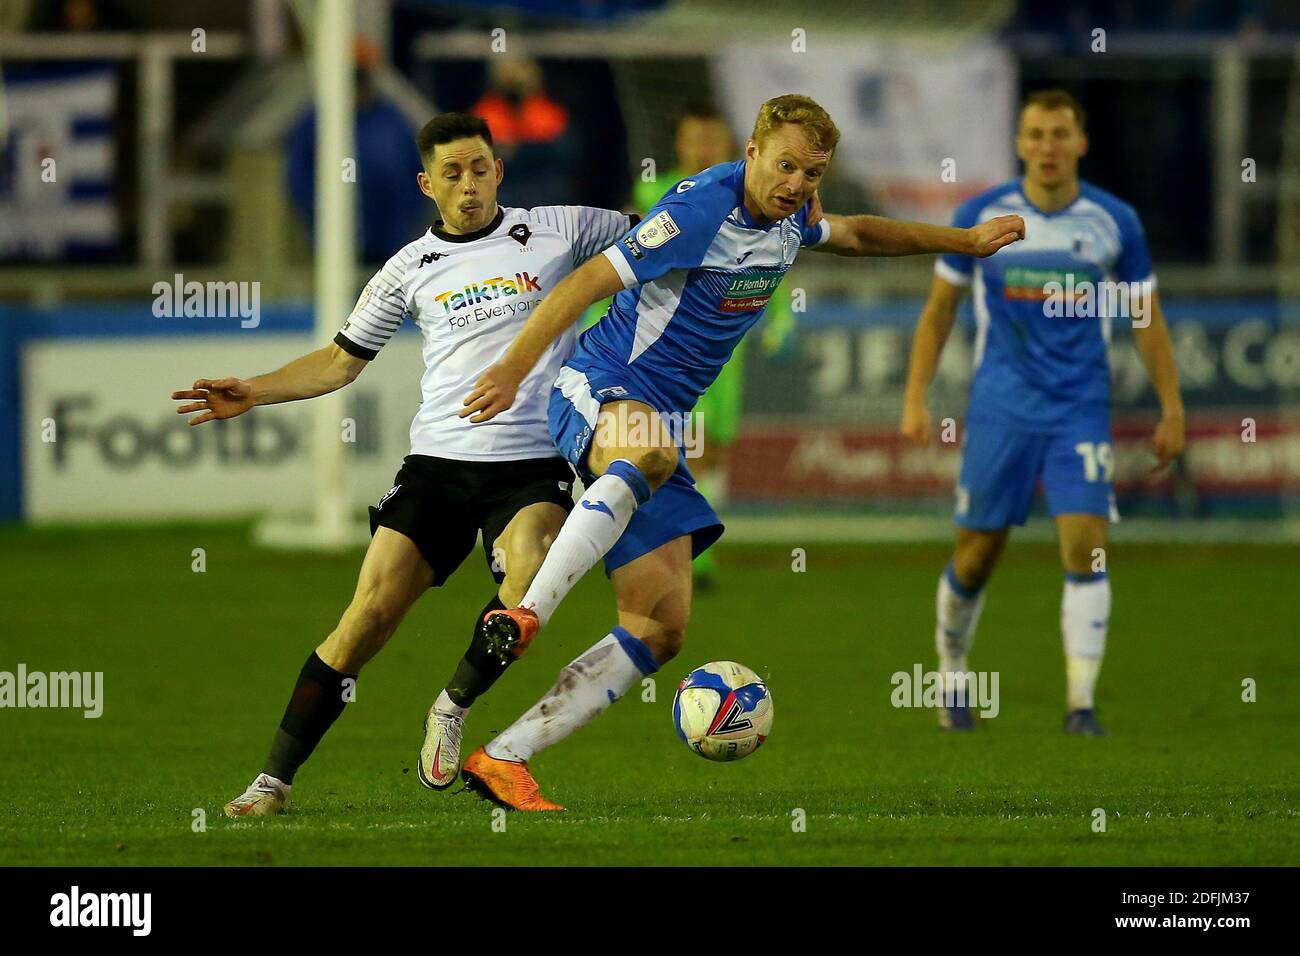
(487, 230)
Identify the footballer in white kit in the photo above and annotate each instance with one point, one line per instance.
(468, 284)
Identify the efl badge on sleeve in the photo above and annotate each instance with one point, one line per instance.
(657, 231)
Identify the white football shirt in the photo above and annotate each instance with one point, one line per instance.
(469, 295)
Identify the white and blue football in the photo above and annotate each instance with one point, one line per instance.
(722, 711)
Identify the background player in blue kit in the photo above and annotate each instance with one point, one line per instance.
(691, 280)
(1040, 400)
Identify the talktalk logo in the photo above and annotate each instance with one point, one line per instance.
(486, 290)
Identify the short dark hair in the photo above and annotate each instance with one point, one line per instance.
(1056, 99)
(446, 127)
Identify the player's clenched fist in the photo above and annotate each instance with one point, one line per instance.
(493, 394)
(988, 237)
(216, 398)
(915, 426)
(1168, 441)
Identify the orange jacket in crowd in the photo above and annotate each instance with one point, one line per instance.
(537, 119)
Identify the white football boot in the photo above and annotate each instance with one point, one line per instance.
(264, 797)
(439, 762)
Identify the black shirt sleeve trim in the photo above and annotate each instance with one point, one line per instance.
(356, 351)
(634, 218)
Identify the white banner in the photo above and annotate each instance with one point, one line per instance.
(102, 441)
(922, 127)
(56, 192)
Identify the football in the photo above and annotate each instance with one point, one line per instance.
(723, 711)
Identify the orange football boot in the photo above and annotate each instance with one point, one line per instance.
(510, 632)
(506, 782)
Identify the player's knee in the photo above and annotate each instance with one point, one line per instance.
(665, 641)
(657, 464)
(522, 561)
(975, 558)
(1083, 554)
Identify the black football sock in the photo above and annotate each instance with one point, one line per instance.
(316, 703)
(478, 670)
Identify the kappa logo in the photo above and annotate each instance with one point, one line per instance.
(655, 232)
(520, 233)
(431, 257)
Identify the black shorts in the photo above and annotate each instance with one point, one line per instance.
(442, 504)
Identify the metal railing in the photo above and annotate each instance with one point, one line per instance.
(155, 56)
(1227, 62)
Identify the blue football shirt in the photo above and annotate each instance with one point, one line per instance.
(697, 273)
(1036, 369)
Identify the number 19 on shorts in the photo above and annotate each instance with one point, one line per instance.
(1098, 460)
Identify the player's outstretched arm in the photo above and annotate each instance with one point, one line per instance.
(932, 331)
(315, 373)
(494, 392)
(878, 236)
(1157, 351)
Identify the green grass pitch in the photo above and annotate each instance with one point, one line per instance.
(197, 667)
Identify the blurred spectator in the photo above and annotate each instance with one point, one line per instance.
(78, 16)
(703, 139)
(392, 211)
(530, 132)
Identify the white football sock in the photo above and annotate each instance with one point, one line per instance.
(586, 687)
(957, 612)
(446, 705)
(1085, 615)
(592, 528)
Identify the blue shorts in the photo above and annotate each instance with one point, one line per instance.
(1000, 466)
(676, 508)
